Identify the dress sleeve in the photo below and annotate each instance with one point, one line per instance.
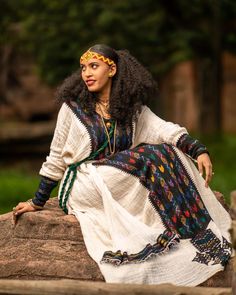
(43, 193)
(154, 130)
(54, 166)
(191, 146)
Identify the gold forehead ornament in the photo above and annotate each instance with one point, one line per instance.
(91, 54)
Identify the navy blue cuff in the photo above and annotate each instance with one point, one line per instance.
(191, 146)
(43, 193)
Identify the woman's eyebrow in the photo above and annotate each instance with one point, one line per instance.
(93, 62)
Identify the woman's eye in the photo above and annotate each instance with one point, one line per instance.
(94, 66)
(82, 68)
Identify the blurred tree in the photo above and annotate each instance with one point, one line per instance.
(208, 27)
(8, 40)
(159, 33)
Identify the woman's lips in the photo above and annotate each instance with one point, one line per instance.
(90, 82)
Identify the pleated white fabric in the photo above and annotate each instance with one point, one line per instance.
(114, 213)
(114, 210)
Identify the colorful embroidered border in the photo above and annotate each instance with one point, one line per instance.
(91, 54)
(95, 129)
(164, 242)
(211, 249)
(172, 192)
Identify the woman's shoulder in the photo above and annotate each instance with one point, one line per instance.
(147, 112)
(72, 104)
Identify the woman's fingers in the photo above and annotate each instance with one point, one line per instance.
(204, 163)
(200, 168)
(23, 210)
(208, 169)
(19, 206)
(23, 207)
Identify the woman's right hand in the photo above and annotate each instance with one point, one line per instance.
(21, 208)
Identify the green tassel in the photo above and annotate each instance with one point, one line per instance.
(73, 170)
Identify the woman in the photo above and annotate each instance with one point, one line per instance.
(129, 179)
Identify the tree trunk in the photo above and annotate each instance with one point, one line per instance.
(209, 71)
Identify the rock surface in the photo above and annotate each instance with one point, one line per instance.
(48, 245)
(45, 244)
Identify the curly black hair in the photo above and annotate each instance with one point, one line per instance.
(132, 86)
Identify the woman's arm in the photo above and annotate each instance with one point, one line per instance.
(53, 169)
(154, 130)
(196, 150)
(54, 166)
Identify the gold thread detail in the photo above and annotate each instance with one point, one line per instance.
(111, 149)
(91, 54)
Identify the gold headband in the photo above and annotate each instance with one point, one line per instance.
(91, 54)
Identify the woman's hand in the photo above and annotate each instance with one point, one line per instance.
(22, 207)
(204, 163)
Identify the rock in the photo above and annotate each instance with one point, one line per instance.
(45, 244)
(48, 244)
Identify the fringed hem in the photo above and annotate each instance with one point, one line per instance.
(164, 242)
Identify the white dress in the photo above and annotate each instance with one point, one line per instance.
(134, 232)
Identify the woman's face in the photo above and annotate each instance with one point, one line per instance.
(97, 75)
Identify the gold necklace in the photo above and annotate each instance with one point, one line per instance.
(105, 104)
(112, 150)
(100, 108)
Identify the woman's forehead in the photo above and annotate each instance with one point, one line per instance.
(92, 60)
(88, 55)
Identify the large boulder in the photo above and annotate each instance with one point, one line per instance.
(48, 245)
(45, 244)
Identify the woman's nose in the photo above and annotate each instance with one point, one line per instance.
(87, 72)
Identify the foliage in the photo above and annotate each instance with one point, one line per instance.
(159, 33)
(222, 151)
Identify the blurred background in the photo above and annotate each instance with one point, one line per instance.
(189, 46)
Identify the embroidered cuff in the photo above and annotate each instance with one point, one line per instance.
(191, 146)
(46, 186)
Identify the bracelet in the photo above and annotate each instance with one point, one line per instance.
(33, 205)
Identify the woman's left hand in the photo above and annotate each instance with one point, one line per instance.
(204, 163)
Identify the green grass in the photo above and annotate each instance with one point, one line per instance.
(223, 155)
(18, 184)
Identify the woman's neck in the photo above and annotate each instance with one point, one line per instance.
(104, 99)
(104, 96)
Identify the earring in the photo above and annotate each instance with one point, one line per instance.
(110, 74)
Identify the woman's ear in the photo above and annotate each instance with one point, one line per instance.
(112, 71)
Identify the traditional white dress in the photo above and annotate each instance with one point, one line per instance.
(145, 213)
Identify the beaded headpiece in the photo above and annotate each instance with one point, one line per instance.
(91, 54)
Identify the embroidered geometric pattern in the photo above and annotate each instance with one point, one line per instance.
(45, 188)
(164, 242)
(91, 54)
(94, 126)
(172, 192)
(210, 248)
(191, 146)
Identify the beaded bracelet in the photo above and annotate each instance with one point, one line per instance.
(33, 205)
